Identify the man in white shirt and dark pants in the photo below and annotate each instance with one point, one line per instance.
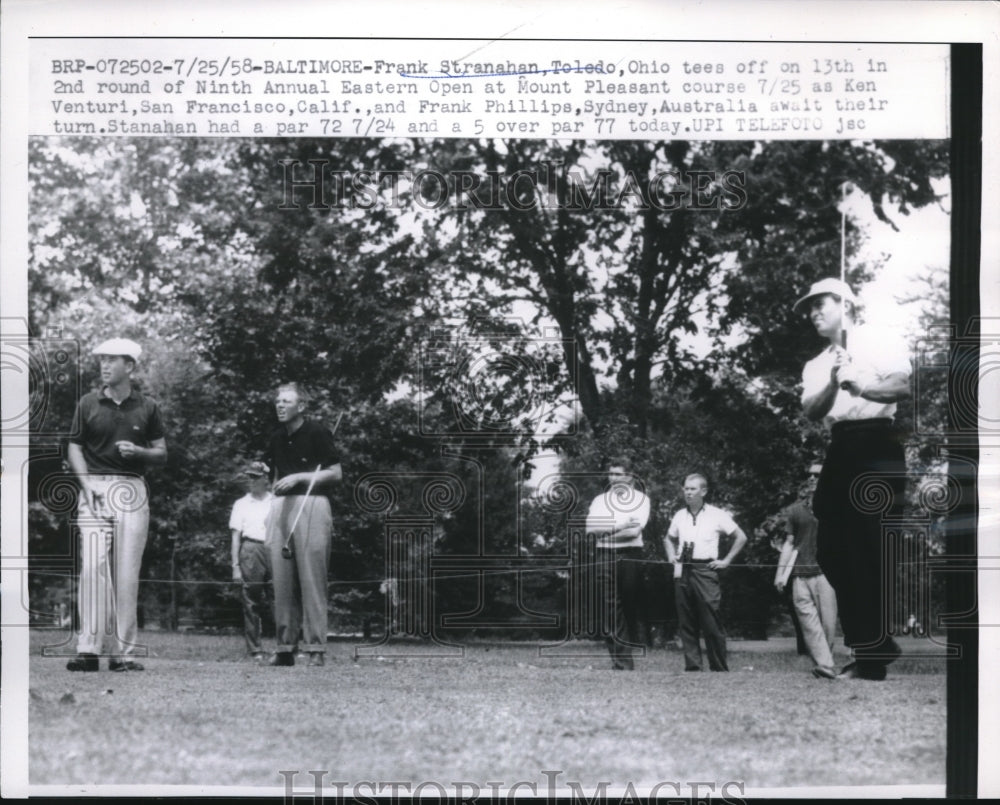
(853, 386)
(692, 545)
(616, 518)
(250, 558)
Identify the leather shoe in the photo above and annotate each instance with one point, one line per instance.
(823, 672)
(281, 658)
(125, 665)
(316, 659)
(83, 662)
(883, 654)
(862, 670)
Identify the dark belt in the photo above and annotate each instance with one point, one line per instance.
(700, 561)
(251, 539)
(854, 425)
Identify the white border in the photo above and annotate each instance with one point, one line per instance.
(899, 20)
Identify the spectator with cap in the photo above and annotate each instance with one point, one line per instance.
(853, 386)
(251, 559)
(814, 599)
(117, 434)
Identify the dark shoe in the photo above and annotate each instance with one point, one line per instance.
(823, 672)
(888, 652)
(124, 665)
(692, 668)
(84, 662)
(281, 658)
(862, 670)
(316, 659)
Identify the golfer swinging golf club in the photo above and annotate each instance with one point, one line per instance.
(305, 465)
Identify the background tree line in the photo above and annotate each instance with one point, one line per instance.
(671, 337)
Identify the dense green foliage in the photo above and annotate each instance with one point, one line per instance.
(452, 339)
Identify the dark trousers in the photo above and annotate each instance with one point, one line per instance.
(863, 481)
(619, 578)
(698, 599)
(255, 567)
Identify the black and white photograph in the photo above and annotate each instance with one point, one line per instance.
(423, 441)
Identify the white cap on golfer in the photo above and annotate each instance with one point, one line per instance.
(829, 285)
(119, 346)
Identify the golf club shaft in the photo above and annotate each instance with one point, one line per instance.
(302, 505)
(312, 481)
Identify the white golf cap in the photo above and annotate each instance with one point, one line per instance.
(828, 285)
(119, 346)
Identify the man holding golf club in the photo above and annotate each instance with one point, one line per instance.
(853, 385)
(304, 466)
(117, 433)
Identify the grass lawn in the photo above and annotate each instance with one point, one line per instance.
(202, 715)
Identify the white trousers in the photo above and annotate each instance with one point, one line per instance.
(111, 543)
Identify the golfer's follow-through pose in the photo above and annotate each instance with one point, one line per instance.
(304, 465)
(854, 388)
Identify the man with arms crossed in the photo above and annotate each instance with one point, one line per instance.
(854, 389)
(692, 545)
(617, 518)
(301, 454)
(117, 432)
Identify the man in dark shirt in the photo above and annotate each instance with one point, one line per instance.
(814, 599)
(301, 454)
(116, 432)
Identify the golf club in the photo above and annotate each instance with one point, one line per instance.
(286, 550)
(843, 264)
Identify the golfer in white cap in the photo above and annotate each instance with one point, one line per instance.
(117, 433)
(853, 385)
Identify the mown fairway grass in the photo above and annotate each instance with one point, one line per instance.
(201, 715)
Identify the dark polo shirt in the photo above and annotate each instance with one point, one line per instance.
(311, 445)
(802, 525)
(100, 422)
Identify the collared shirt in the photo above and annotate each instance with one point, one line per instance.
(302, 451)
(876, 354)
(99, 423)
(249, 516)
(611, 511)
(803, 525)
(702, 529)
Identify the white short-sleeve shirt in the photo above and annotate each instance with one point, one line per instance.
(611, 512)
(249, 516)
(876, 353)
(702, 529)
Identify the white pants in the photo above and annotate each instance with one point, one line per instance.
(816, 605)
(111, 543)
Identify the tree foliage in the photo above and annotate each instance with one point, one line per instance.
(451, 335)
